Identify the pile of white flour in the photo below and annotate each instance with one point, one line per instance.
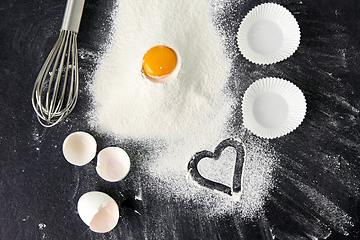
(128, 104)
(189, 113)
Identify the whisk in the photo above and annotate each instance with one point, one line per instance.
(56, 87)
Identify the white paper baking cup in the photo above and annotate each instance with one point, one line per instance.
(269, 33)
(273, 107)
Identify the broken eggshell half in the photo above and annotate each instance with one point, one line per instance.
(113, 164)
(79, 148)
(99, 211)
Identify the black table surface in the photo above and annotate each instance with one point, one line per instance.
(39, 190)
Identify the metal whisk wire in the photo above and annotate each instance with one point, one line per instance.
(56, 88)
(55, 93)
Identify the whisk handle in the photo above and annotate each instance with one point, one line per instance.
(72, 15)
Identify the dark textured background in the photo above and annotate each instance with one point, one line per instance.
(39, 189)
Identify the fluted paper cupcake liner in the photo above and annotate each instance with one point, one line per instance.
(273, 107)
(269, 33)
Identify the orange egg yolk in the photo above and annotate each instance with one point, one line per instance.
(159, 62)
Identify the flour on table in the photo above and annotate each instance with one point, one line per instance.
(189, 113)
(171, 171)
(128, 104)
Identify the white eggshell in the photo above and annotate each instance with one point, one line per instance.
(79, 148)
(99, 211)
(113, 164)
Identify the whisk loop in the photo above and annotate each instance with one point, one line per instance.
(56, 88)
(50, 89)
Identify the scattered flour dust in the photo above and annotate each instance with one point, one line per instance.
(190, 113)
(171, 171)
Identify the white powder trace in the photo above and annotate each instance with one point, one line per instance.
(189, 113)
(171, 170)
(128, 104)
